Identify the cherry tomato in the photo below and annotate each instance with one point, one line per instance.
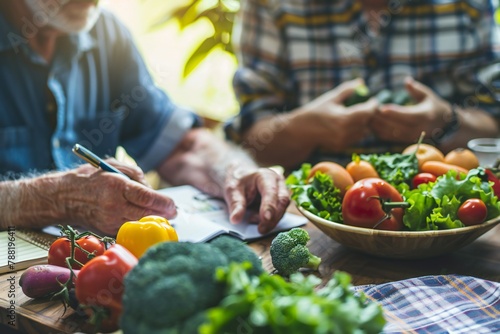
(61, 248)
(363, 205)
(100, 283)
(423, 178)
(472, 212)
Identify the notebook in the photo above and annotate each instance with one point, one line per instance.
(201, 217)
(21, 249)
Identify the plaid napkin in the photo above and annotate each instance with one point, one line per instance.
(438, 304)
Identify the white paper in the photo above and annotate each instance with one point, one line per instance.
(201, 218)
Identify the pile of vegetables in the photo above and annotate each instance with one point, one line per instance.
(181, 287)
(220, 287)
(87, 271)
(419, 189)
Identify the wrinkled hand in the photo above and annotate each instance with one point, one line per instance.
(404, 124)
(263, 187)
(339, 126)
(103, 201)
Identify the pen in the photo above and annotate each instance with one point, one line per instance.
(94, 160)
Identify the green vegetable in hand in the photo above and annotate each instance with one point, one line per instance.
(174, 283)
(289, 252)
(361, 94)
(271, 304)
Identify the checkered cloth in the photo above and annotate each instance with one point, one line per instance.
(438, 304)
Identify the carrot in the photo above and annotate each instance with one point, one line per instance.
(439, 168)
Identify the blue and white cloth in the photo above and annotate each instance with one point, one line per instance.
(438, 304)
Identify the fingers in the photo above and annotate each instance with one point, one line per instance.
(149, 200)
(274, 197)
(346, 89)
(132, 171)
(416, 89)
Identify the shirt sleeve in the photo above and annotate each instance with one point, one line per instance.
(260, 83)
(153, 125)
(478, 79)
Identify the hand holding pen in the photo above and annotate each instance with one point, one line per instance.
(104, 202)
(131, 172)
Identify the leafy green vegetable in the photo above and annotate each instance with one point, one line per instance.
(434, 206)
(270, 304)
(175, 281)
(320, 196)
(395, 168)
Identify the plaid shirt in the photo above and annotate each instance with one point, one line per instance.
(438, 304)
(293, 51)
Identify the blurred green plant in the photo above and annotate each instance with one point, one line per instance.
(220, 13)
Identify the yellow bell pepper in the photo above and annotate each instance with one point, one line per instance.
(138, 236)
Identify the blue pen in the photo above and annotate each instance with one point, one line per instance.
(94, 160)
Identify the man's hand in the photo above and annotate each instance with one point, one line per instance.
(264, 186)
(220, 169)
(404, 124)
(103, 201)
(337, 126)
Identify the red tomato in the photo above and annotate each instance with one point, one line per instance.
(472, 212)
(100, 283)
(364, 203)
(496, 182)
(61, 249)
(423, 178)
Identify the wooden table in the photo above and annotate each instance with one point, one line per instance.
(480, 259)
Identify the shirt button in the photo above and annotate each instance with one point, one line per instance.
(51, 107)
(56, 143)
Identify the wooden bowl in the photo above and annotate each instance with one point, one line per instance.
(400, 245)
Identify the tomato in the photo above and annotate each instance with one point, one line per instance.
(100, 283)
(496, 182)
(341, 178)
(368, 201)
(423, 178)
(61, 249)
(472, 212)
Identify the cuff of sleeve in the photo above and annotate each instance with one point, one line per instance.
(179, 123)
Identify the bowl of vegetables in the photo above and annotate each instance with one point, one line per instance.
(392, 208)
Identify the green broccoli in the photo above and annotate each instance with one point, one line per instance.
(175, 281)
(289, 252)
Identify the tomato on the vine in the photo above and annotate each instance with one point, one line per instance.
(423, 178)
(472, 212)
(61, 249)
(369, 200)
(100, 284)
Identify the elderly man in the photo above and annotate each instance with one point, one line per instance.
(71, 74)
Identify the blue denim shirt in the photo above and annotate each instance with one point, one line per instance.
(104, 97)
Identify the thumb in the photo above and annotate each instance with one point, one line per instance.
(346, 89)
(417, 90)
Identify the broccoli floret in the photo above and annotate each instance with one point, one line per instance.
(289, 252)
(231, 247)
(174, 281)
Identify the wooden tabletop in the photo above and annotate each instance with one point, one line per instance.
(480, 259)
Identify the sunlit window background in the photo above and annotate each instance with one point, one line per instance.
(166, 48)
